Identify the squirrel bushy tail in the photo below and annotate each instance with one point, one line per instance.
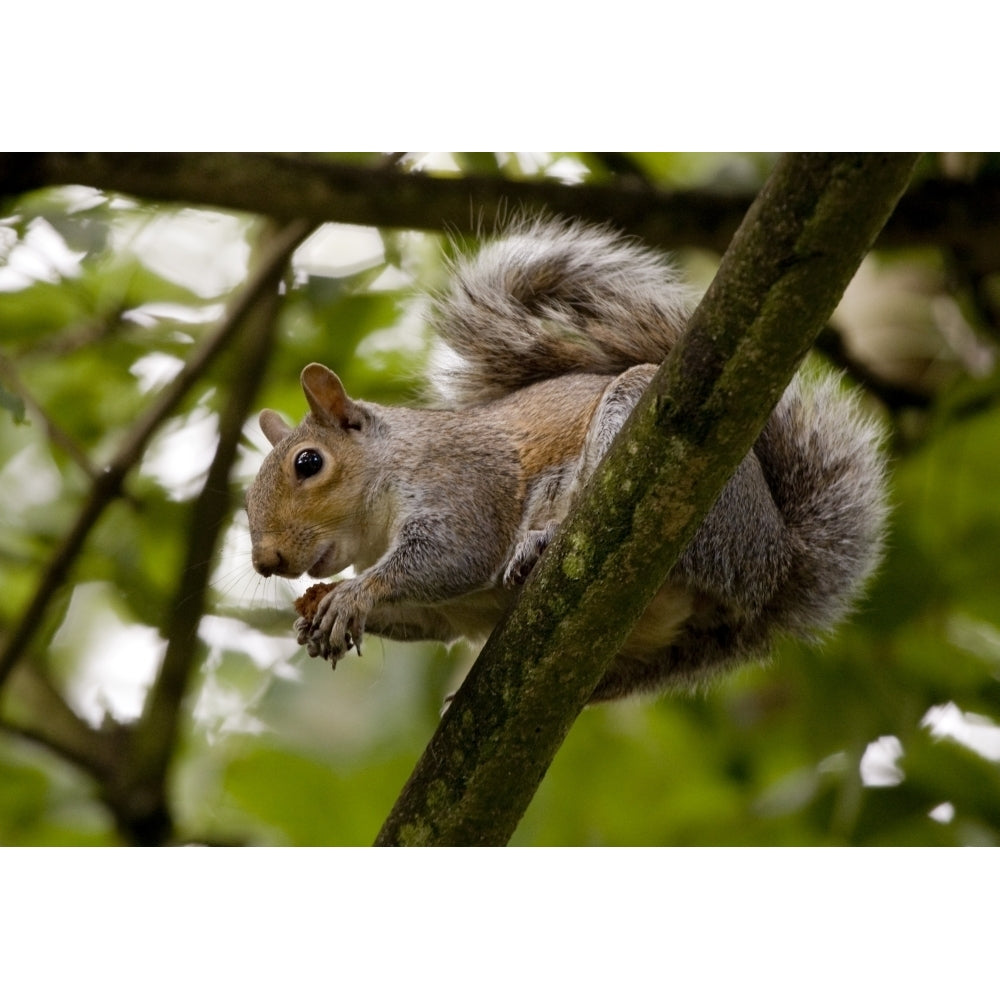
(554, 297)
(822, 458)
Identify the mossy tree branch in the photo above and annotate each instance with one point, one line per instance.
(784, 272)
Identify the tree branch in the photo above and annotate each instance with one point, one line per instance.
(788, 265)
(283, 186)
(940, 211)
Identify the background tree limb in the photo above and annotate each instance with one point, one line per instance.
(784, 272)
(138, 793)
(962, 215)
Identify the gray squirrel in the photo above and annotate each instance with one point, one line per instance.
(557, 327)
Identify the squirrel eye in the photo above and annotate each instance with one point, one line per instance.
(307, 463)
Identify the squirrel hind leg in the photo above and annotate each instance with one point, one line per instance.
(700, 656)
(527, 552)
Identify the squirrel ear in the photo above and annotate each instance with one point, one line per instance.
(273, 426)
(327, 399)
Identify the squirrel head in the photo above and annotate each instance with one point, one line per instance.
(304, 503)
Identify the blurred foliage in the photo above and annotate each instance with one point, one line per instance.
(886, 733)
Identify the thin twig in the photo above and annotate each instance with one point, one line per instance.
(53, 431)
(55, 725)
(140, 796)
(74, 753)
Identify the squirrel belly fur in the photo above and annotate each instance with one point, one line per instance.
(557, 329)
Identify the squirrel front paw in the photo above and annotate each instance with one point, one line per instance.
(317, 642)
(336, 624)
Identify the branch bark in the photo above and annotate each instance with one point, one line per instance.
(944, 212)
(787, 267)
(308, 187)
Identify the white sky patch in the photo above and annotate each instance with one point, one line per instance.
(233, 577)
(178, 459)
(977, 732)
(335, 251)
(222, 708)
(390, 279)
(8, 240)
(568, 169)
(31, 478)
(151, 314)
(251, 455)
(78, 198)
(434, 161)
(156, 370)
(204, 251)
(230, 634)
(943, 813)
(879, 767)
(118, 660)
(408, 334)
(42, 255)
(880, 761)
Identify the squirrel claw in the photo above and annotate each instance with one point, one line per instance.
(302, 626)
(335, 628)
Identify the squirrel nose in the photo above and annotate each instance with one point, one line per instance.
(269, 562)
